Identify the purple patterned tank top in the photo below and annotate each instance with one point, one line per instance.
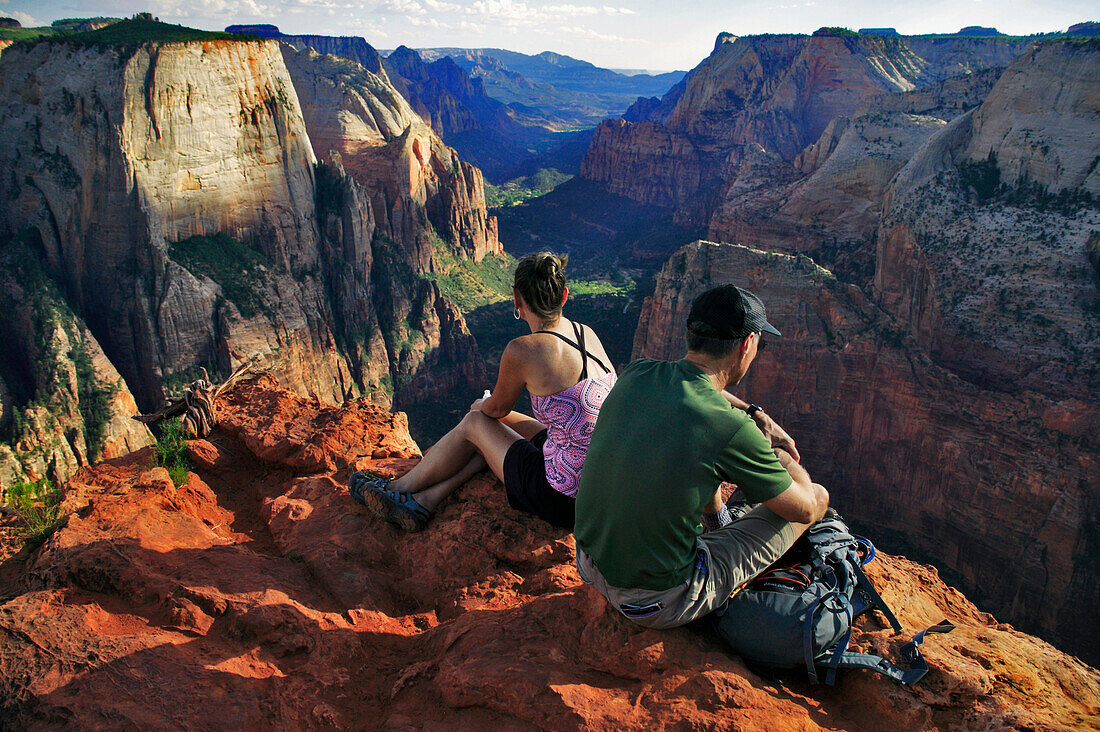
(569, 417)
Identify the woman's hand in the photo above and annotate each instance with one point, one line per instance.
(476, 404)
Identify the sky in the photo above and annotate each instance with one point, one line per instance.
(658, 35)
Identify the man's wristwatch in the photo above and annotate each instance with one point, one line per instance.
(753, 409)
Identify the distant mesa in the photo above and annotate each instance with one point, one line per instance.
(978, 30)
(1090, 28)
(82, 25)
(836, 31)
(263, 30)
(879, 31)
(10, 23)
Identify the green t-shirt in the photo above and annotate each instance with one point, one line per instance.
(665, 439)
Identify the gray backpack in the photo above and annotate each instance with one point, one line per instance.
(800, 610)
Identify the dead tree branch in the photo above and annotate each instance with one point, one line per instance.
(197, 403)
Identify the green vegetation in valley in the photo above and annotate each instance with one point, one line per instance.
(38, 505)
(518, 190)
(469, 284)
(240, 270)
(623, 286)
(603, 234)
(170, 452)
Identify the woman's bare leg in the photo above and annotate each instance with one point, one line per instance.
(486, 439)
(454, 451)
(431, 497)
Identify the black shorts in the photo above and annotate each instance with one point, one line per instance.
(528, 490)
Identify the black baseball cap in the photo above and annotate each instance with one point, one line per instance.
(728, 313)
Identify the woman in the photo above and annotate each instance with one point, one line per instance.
(566, 370)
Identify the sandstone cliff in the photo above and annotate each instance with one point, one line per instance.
(981, 248)
(776, 93)
(174, 194)
(457, 107)
(452, 102)
(280, 603)
(998, 490)
(388, 148)
(62, 404)
(116, 158)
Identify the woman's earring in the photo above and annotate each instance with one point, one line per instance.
(515, 314)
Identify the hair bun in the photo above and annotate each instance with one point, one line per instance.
(540, 280)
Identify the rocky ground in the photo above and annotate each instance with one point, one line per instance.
(258, 594)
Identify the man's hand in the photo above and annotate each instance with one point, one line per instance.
(777, 436)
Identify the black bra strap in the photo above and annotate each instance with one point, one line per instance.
(579, 333)
(585, 355)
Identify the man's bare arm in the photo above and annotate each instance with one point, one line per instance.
(804, 502)
(776, 435)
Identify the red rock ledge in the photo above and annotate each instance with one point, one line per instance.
(257, 595)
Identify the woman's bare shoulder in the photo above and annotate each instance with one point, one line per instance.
(525, 347)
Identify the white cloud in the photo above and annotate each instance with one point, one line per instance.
(442, 7)
(582, 32)
(428, 22)
(571, 10)
(228, 9)
(365, 27)
(25, 19)
(402, 7)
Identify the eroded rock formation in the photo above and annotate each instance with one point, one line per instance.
(449, 100)
(1000, 490)
(174, 193)
(389, 149)
(280, 603)
(776, 94)
(981, 248)
(64, 405)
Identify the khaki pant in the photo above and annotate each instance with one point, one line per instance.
(727, 559)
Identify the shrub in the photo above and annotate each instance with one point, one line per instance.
(38, 504)
(170, 452)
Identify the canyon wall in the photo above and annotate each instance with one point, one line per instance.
(952, 347)
(999, 490)
(175, 198)
(63, 405)
(776, 95)
(448, 99)
(981, 250)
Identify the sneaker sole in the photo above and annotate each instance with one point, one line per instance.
(381, 508)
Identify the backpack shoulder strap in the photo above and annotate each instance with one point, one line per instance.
(918, 666)
(876, 599)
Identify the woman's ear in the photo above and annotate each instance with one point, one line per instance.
(564, 295)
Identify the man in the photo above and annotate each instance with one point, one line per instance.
(667, 436)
